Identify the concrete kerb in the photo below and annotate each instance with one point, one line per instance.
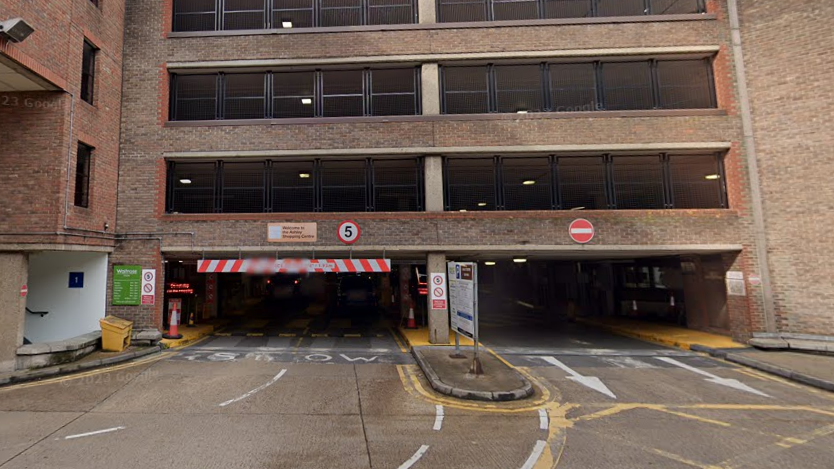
(32, 375)
(525, 391)
(783, 372)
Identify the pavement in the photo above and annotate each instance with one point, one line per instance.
(813, 370)
(602, 401)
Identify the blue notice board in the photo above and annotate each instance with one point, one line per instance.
(76, 280)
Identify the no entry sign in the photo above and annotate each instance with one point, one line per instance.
(24, 290)
(581, 231)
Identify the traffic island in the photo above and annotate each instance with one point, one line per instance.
(450, 376)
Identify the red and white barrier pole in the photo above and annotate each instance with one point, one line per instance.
(173, 332)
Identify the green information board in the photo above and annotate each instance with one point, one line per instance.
(127, 285)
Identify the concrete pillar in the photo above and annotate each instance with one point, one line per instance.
(15, 274)
(426, 10)
(433, 181)
(438, 318)
(430, 88)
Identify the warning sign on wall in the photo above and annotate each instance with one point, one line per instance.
(438, 291)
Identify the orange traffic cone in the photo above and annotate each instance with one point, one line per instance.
(173, 332)
(412, 323)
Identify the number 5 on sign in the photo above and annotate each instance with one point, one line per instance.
(349, 232)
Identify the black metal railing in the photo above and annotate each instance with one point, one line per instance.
(297, 94)
(312, 185)
(578, 86)
(450, 11)
(228, 15)
(603, 182)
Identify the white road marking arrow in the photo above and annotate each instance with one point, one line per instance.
(588, 381)
(731, 383)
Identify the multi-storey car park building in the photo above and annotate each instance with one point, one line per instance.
(451, 130)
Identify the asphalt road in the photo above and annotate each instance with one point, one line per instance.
(360, 402)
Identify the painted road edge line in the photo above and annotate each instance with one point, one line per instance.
(259, 388)
(438, 419)
(419, 454)
(535, 455)
(97, 432)
(544, 423)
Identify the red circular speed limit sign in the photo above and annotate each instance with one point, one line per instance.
(348, 232)
(581, 231)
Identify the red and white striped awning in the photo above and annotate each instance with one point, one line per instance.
(292, 266)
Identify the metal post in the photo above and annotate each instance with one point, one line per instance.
(476, 368)
(457, 354)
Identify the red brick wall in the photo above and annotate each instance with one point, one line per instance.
(789, 77)
(36, 126)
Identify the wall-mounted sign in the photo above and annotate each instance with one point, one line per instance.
(438, 291)
(148, 286)
(581, 231)
(179, 289)
(127, 285)
(735, 284)
(292, 233)
(76, 280)
(348, 232)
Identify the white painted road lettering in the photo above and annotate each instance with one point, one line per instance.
(318, 357)
(222, 357)
(360, 359)
(259, 388)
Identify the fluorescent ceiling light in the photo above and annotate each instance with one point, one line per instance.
(286, 24)
(712, 177)
(489, 263)
(307, 101)
(462, 210)
(304, 175)
(521, 112)
(578, 208)
(482, 204)
(529, 182)
(185, 181)
(519, 260)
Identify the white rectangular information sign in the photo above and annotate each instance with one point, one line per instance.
(463, 297)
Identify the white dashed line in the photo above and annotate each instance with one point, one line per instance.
(259, 388)
(535, 455)
(438, 419)
(419, 454)
(97, 432)
(544, 423)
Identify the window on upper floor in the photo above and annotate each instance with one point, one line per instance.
(83, 164)
(228, 15)
(603, 182)
(309, 185)
(88, 72)
(296, 94)
(577, 86)
(450, 11)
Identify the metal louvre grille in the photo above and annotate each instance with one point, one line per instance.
(192, 188)
(293, 94)
(684, 84)
(194, 15)
(676, 7)
(465, 90)
(573, 87)
(696, 181)
(627, 85)
(470, 184)
(527, 183)
(341, 12)
(243, 14)
(582, 183)
(396, 185)
(344, 186)
(621, 8)
(518, 88)
(390, 11)
(393, 92)
(195, 97)
(638, 182)
(243, 187)
(83, 161)
(245, 96)
(297, 13)
(568, 9)
(293, 186)
(515, 9)
(452, 11)
(343, 93)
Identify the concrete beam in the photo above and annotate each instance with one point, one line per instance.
(18, 247)
(427, 11)
(433, 183)
(430, 89)
(474, 150)
(700, 51)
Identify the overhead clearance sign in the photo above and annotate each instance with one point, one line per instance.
(292, 266)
